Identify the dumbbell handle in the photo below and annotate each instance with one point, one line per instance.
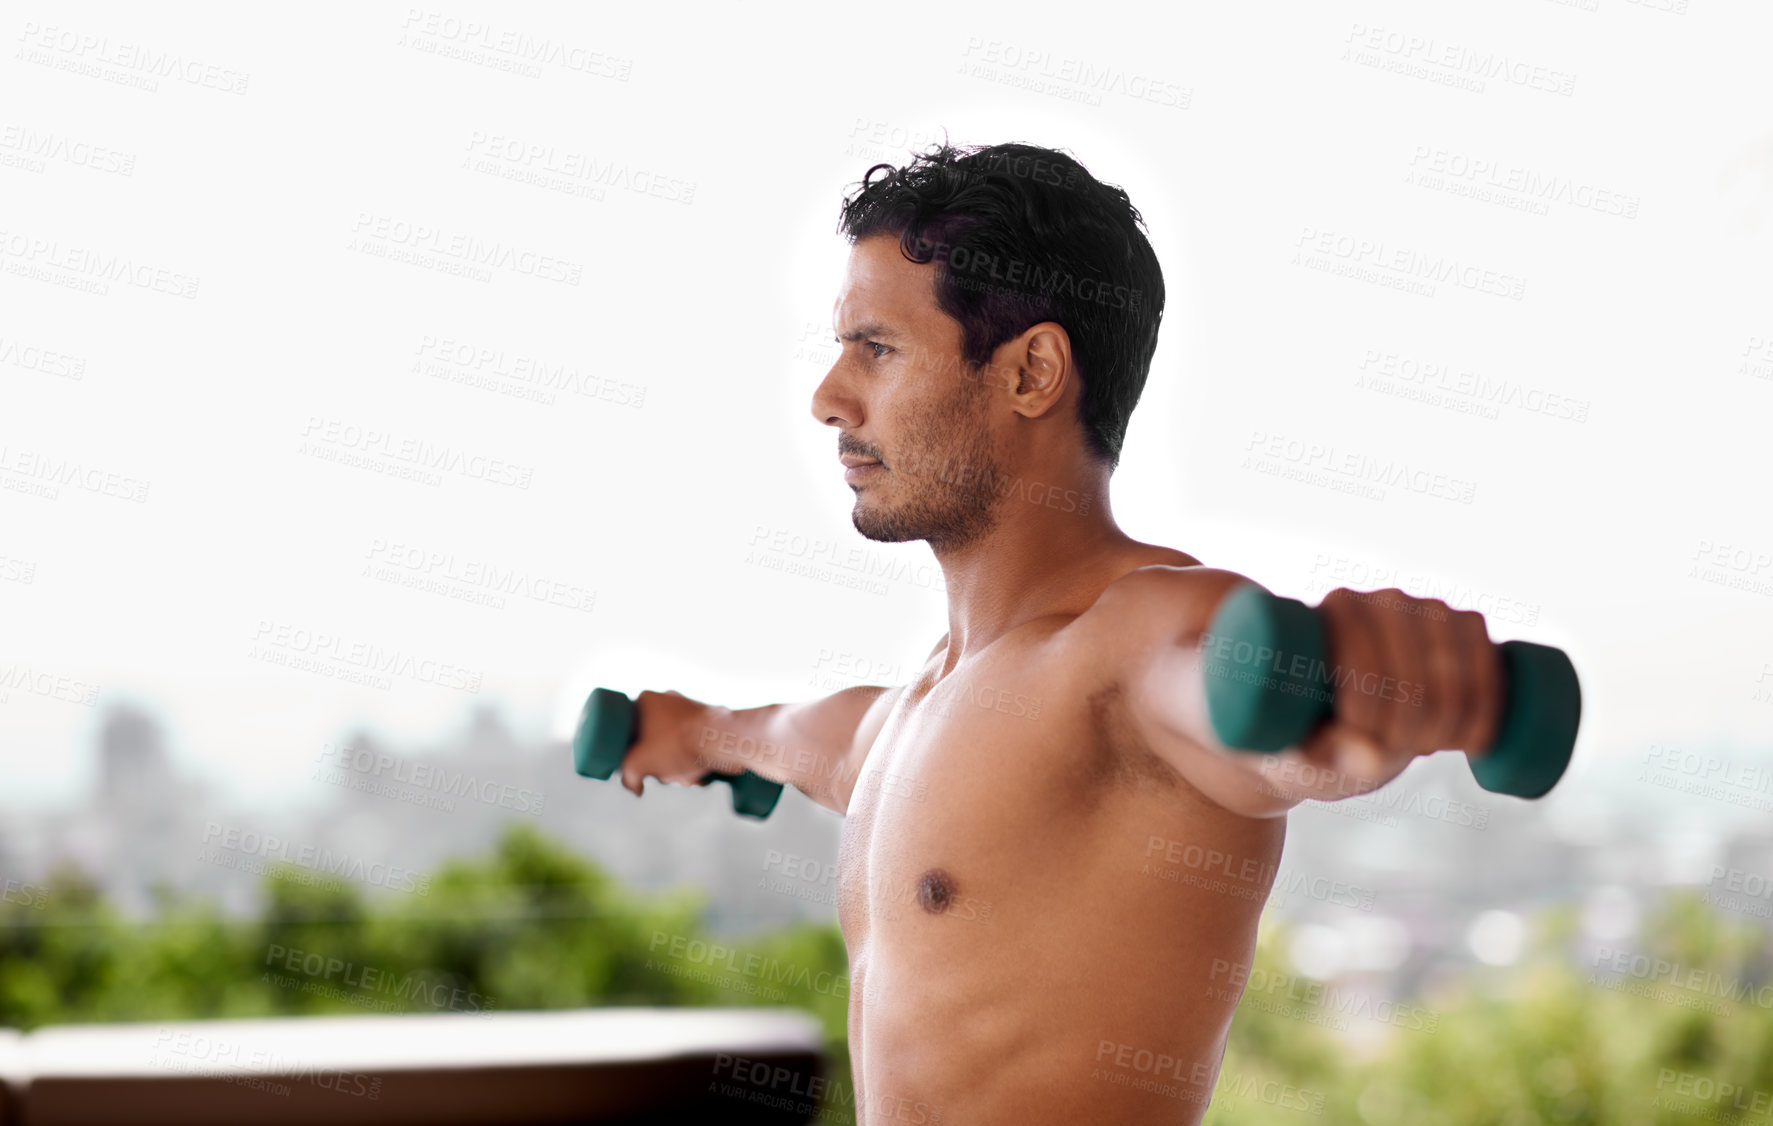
(1259, 700)
(607, 729)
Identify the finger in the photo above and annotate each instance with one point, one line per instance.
(1353, 652)
(1397, 628)
(1436, 689)
(1482, 668)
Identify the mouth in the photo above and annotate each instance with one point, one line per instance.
(855, 470)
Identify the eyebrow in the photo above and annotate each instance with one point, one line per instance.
(868, 331)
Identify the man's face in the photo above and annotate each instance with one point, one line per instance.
(899, 395)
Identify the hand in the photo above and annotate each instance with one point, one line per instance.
(665, 728)
(1411, 676)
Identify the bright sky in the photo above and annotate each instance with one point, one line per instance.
(1591, 188)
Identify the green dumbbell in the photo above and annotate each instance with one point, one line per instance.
(606, 731)
(1258, 702)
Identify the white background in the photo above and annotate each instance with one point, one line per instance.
(718, 306)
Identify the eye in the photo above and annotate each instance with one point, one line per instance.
(883, 349)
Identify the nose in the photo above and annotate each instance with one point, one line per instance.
(833, 404)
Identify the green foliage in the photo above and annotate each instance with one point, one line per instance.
(1547, 1040)
(534, 926)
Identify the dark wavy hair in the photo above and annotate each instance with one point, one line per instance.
(1020, 235)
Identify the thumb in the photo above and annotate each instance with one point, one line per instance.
(1357, 759)
(633, 776)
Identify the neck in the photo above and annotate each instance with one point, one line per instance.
(1051, 551)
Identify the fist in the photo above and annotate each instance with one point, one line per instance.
(664, 747)
(1410, 676)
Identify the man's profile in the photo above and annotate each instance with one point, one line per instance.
(1035, 932)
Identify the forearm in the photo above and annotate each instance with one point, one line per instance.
(811, 745)
(1169, 701)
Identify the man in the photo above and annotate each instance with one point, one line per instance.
(1020, 951)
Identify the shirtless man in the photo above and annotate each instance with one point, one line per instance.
(1048, 860)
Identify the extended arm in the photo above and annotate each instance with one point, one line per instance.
(1163, 614)
(816, 746)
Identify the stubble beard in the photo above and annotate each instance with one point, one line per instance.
(942, 478)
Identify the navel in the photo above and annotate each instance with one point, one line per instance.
(935, 891)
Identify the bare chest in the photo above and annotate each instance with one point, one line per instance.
(952, 798)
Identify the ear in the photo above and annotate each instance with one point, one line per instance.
(1037, 367)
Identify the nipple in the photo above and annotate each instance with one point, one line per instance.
(935, 891)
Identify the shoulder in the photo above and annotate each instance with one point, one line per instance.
(1154, 605)
(1123, 653)
(1139, 620)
